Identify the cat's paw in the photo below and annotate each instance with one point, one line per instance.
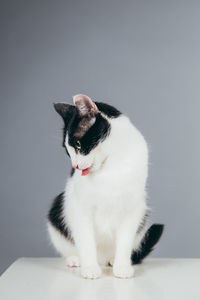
(91, 272)
(123, 271)
(73, 261)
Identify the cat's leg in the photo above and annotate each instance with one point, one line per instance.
(83, 234)
(73, 261)
(111, 262)
(64, 246)
(125, 238)
(105, 251)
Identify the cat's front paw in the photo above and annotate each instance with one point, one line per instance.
(123, 271)
(73, 261)
(91, 272)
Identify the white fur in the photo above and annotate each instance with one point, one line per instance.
(104, 208)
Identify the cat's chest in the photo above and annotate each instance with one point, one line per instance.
(100, 197)
(106, 198)
(106, 218)
(108, 201)
(103, 188)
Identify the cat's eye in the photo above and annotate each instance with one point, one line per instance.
(78, 145)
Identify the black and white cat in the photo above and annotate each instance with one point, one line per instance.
(101, 218)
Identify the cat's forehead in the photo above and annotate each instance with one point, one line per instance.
(87, 121)
(88, 131)
(79, 126)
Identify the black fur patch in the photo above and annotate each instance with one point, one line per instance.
(108, 110)
(55, 216)
(150, 239)
(96, 133)
(73, 123)
(66, 111)
(72, 172)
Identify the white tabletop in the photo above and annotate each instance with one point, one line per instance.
(49, 278)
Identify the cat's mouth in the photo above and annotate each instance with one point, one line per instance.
(84, 171)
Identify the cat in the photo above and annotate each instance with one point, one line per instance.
(101, 217)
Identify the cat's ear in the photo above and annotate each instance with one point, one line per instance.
(85, 106)
(64, 110)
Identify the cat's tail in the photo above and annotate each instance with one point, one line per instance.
(148, 242)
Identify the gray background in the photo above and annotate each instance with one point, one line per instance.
(143, 57)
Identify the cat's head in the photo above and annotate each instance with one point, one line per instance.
(85, 129)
